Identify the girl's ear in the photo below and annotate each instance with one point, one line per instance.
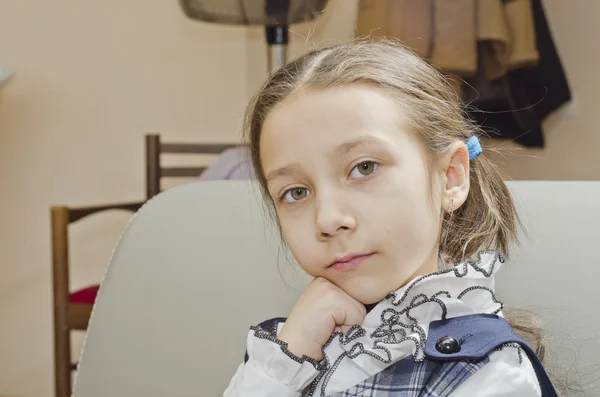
(455, 179)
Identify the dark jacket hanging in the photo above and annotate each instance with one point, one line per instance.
(528, 96)
(502, 48)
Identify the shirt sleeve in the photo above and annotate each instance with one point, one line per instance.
(271, 370)
(509, 373)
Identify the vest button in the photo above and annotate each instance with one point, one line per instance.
(447, 345)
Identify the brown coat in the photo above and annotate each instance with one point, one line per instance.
(451, 33)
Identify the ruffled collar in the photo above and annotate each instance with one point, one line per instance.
(397, 327)
(469, 287)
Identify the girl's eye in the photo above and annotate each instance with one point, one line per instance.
(363, 169)
(295, 194)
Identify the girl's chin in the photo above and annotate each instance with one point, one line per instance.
(365, 295)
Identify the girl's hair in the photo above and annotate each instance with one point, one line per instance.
(487, 219)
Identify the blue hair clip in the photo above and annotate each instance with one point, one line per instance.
(474, 147)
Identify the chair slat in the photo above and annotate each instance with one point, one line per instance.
(195, 148)
(182, 171)
(76, 214)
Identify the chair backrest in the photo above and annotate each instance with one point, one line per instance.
(60, 219)
(66, 315)
(155, 171)
(199, 264)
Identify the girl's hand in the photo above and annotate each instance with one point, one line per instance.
(322, 309)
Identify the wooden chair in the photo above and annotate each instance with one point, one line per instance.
(72, 310)
(155, 172)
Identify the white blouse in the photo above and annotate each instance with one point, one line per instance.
(465, 289)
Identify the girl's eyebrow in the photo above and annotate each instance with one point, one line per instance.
(282, 171)
(345, 148)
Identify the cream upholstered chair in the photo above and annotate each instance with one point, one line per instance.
(198, 265)
(72, 308)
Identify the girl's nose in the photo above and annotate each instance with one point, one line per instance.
(333, 218)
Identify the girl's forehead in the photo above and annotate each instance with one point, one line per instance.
(332, 116)
(357, 99)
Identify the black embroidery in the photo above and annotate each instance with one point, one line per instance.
(356, 350)
(395, 324)
(479, 287)
(263, 334)
(516, 346)
(459, 271)
(421, 299)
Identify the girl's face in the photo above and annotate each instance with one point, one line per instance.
(352, 189)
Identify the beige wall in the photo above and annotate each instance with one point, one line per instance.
(91, 80)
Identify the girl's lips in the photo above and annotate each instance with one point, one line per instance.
(349, 262)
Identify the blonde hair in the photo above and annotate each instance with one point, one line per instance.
(487, 219)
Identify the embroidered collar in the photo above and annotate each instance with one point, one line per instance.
(397, 327)
(468, 286)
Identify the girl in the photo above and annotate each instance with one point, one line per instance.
(378, 185)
